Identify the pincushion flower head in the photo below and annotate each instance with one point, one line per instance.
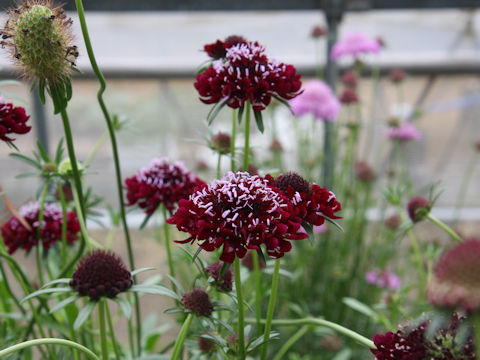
(247, 74)
(13, 120)
(16, 236)
(312, 203)
(349, 79)
(218, 49)
(348, 96)
(456, 279)
(238, 213)
(418, 208)
(317, 99)
(355, 44)
(404, 132)
(198, 301)
(161, 183)
(38, 35)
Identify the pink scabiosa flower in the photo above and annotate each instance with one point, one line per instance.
(101, 273)
(160, 183)
(349, 96)
(246, 73)
(224, 282)
(349, 79)
(383, 279)
(354, 44)
(15, 235)
(397, 76)
(198, 301)
(456, 281)
(239, 212)
(311, 202)
(405, 132)
(318, 99)
(13, 120)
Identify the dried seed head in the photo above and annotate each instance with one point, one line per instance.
(38, 36)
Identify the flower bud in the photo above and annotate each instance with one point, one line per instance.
(418, 209)
(198, 301)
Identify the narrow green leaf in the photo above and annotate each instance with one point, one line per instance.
(64, 303)
(177, 284)
(46, 291)
(241, 109)
(172, 310)
(26, 175)
(309, 229)
(26, 159)
(41, 91)
(331, 221)
(224, 269)
(196, 254)
(360, 307)
(59, 152)
(84, 314)
(154, 290)
(58, 281)
(216, 109)
(125, 306)
(284, 102)
(68, 90)
(138, 271)
(260, 340)
(145, 221)
(259, 121)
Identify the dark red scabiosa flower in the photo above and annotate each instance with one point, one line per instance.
(414, 344)
(456, 279)
(318, 31)
(247, 261)
(161, 183)
(246, 73)
(418, 208)
(393, 222)
(221, 143)
(15, 235)
(205, 345)
(477, 145)
(397, 76)
(364, 172)
(224, 282)
(349, 96)
(101, 273)
(13, 120)
(349, 79)
(218, 49)
(312, 203)
(239, 212)
(198, 301)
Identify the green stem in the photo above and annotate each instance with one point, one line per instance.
(81, 220)
(321, 322)
(95, 148)
(232, 142)
(182, 335)
(103, 331)
(48, 341)
(111, 131)
(77, 186)
(166, 230)
(271, 308)
(291, 340)
(64, 220)
(112, 332)
(38, 248)
(247, 137)
(445, 227)
(219, 166)
(258, 288)
(241, 322)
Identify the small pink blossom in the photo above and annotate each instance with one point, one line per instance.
(318, 99)
(354, 44)
(405, 132)
(320, 229)
(383, 279)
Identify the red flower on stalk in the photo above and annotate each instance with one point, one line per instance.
(15, 235)
(13, 120)
(239, 212)
(246, 73)
(311, 202)
(218, 49)
(160, 183)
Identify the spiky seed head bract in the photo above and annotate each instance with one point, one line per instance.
(38, 35)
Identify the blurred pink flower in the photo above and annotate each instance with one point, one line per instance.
(383, 279)
(320, 229)
(405, 132)
(318, 99)
(354, 44)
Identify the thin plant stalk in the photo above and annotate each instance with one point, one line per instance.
(95, 148)
(271, 308)
(291, 341)
(247, 138)
(166, 230)
(102, 328)
(232, 142)
(48, 341)
(178, 347)
(63, 204)
(322, 323)
(444, 227)
(219, 166)
(112, 332)
(258, 288)
(111, 131)
(38, 248)
(241, 316)
(81, 220)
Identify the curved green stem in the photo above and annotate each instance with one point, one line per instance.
(321, 322)
(241, 316)
(47, 341)
(112, 332)
(258, 288)
(63, 204)
(38, 248)
(81, 220)
(166, 230)
(247, 137)
(271, 308)
(103, 330)
(182, 335)
(111, 131)
(444, 227)
(219, 166)
(78, 187)
(291, 340)
(95, 148)
(232, 141)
